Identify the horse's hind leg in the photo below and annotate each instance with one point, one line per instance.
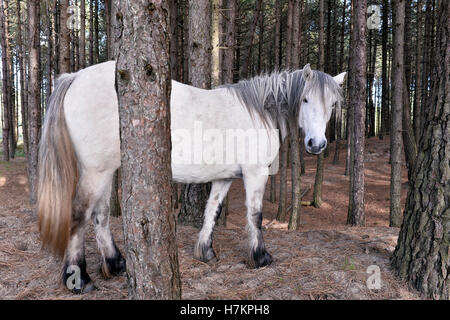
(113, 262)
(203, 249)
(75, 276)
(90, 190)
(255, 183)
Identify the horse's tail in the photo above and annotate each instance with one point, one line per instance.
(57, 174)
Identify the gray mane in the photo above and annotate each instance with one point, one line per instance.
(276, 97)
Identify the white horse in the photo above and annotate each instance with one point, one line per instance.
(80, 151)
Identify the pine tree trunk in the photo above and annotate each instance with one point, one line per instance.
(96, 33)
(281, 215)
(5, 81)
(248, 59)
(83, 34)
(23, 94)
(34, 95)
(418, 84)
(64, 36)
(194, 196)
(294, 220)
(422, 253)
(91, 33)
(357, 90)
(277, 35)
(385, 121)
(398, 9)
(317, 195)
(149, 223)
(108, 11)
(174, 40)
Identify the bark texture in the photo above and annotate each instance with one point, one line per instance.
(194, 196)
(357, 90)
(34, 95)
(144, 86)
(398, 7)
(422, 255)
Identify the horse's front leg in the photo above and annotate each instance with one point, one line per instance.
(255, 179)
(203, 249)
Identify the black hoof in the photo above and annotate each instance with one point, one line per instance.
(260, 258)
(76, 279)
(115, 266)
(205, 252)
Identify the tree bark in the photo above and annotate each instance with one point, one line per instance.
(294, 220)
(398, 9)
(83, 33)
(5, 80)
(418, 82)
(143, 86)
(23, 93)
(357, 90)
(64, 36)
(384, 72)
(96, 33)
(281, 215)
(194, 196)
(317, 195)
(34, 95)
(248, 59)
(422, 253)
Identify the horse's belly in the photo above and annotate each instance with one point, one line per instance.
(204, 173)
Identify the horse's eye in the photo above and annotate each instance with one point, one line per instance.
(305, 100)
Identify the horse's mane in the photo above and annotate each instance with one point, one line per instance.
(275, 97)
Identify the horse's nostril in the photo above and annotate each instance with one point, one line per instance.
(310, 143)
(323, 145)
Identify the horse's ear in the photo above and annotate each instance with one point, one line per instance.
(340, 78)
(307, 72)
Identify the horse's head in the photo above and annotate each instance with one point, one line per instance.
(320, 93)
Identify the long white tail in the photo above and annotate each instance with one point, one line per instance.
(57, 174)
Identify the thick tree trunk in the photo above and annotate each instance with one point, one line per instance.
(149, 223)
(357, 91)
(422, 253)
(194, 196)
(174, 40)
(398, 8)
(34, 95)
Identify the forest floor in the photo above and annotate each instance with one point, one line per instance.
(325, 259)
